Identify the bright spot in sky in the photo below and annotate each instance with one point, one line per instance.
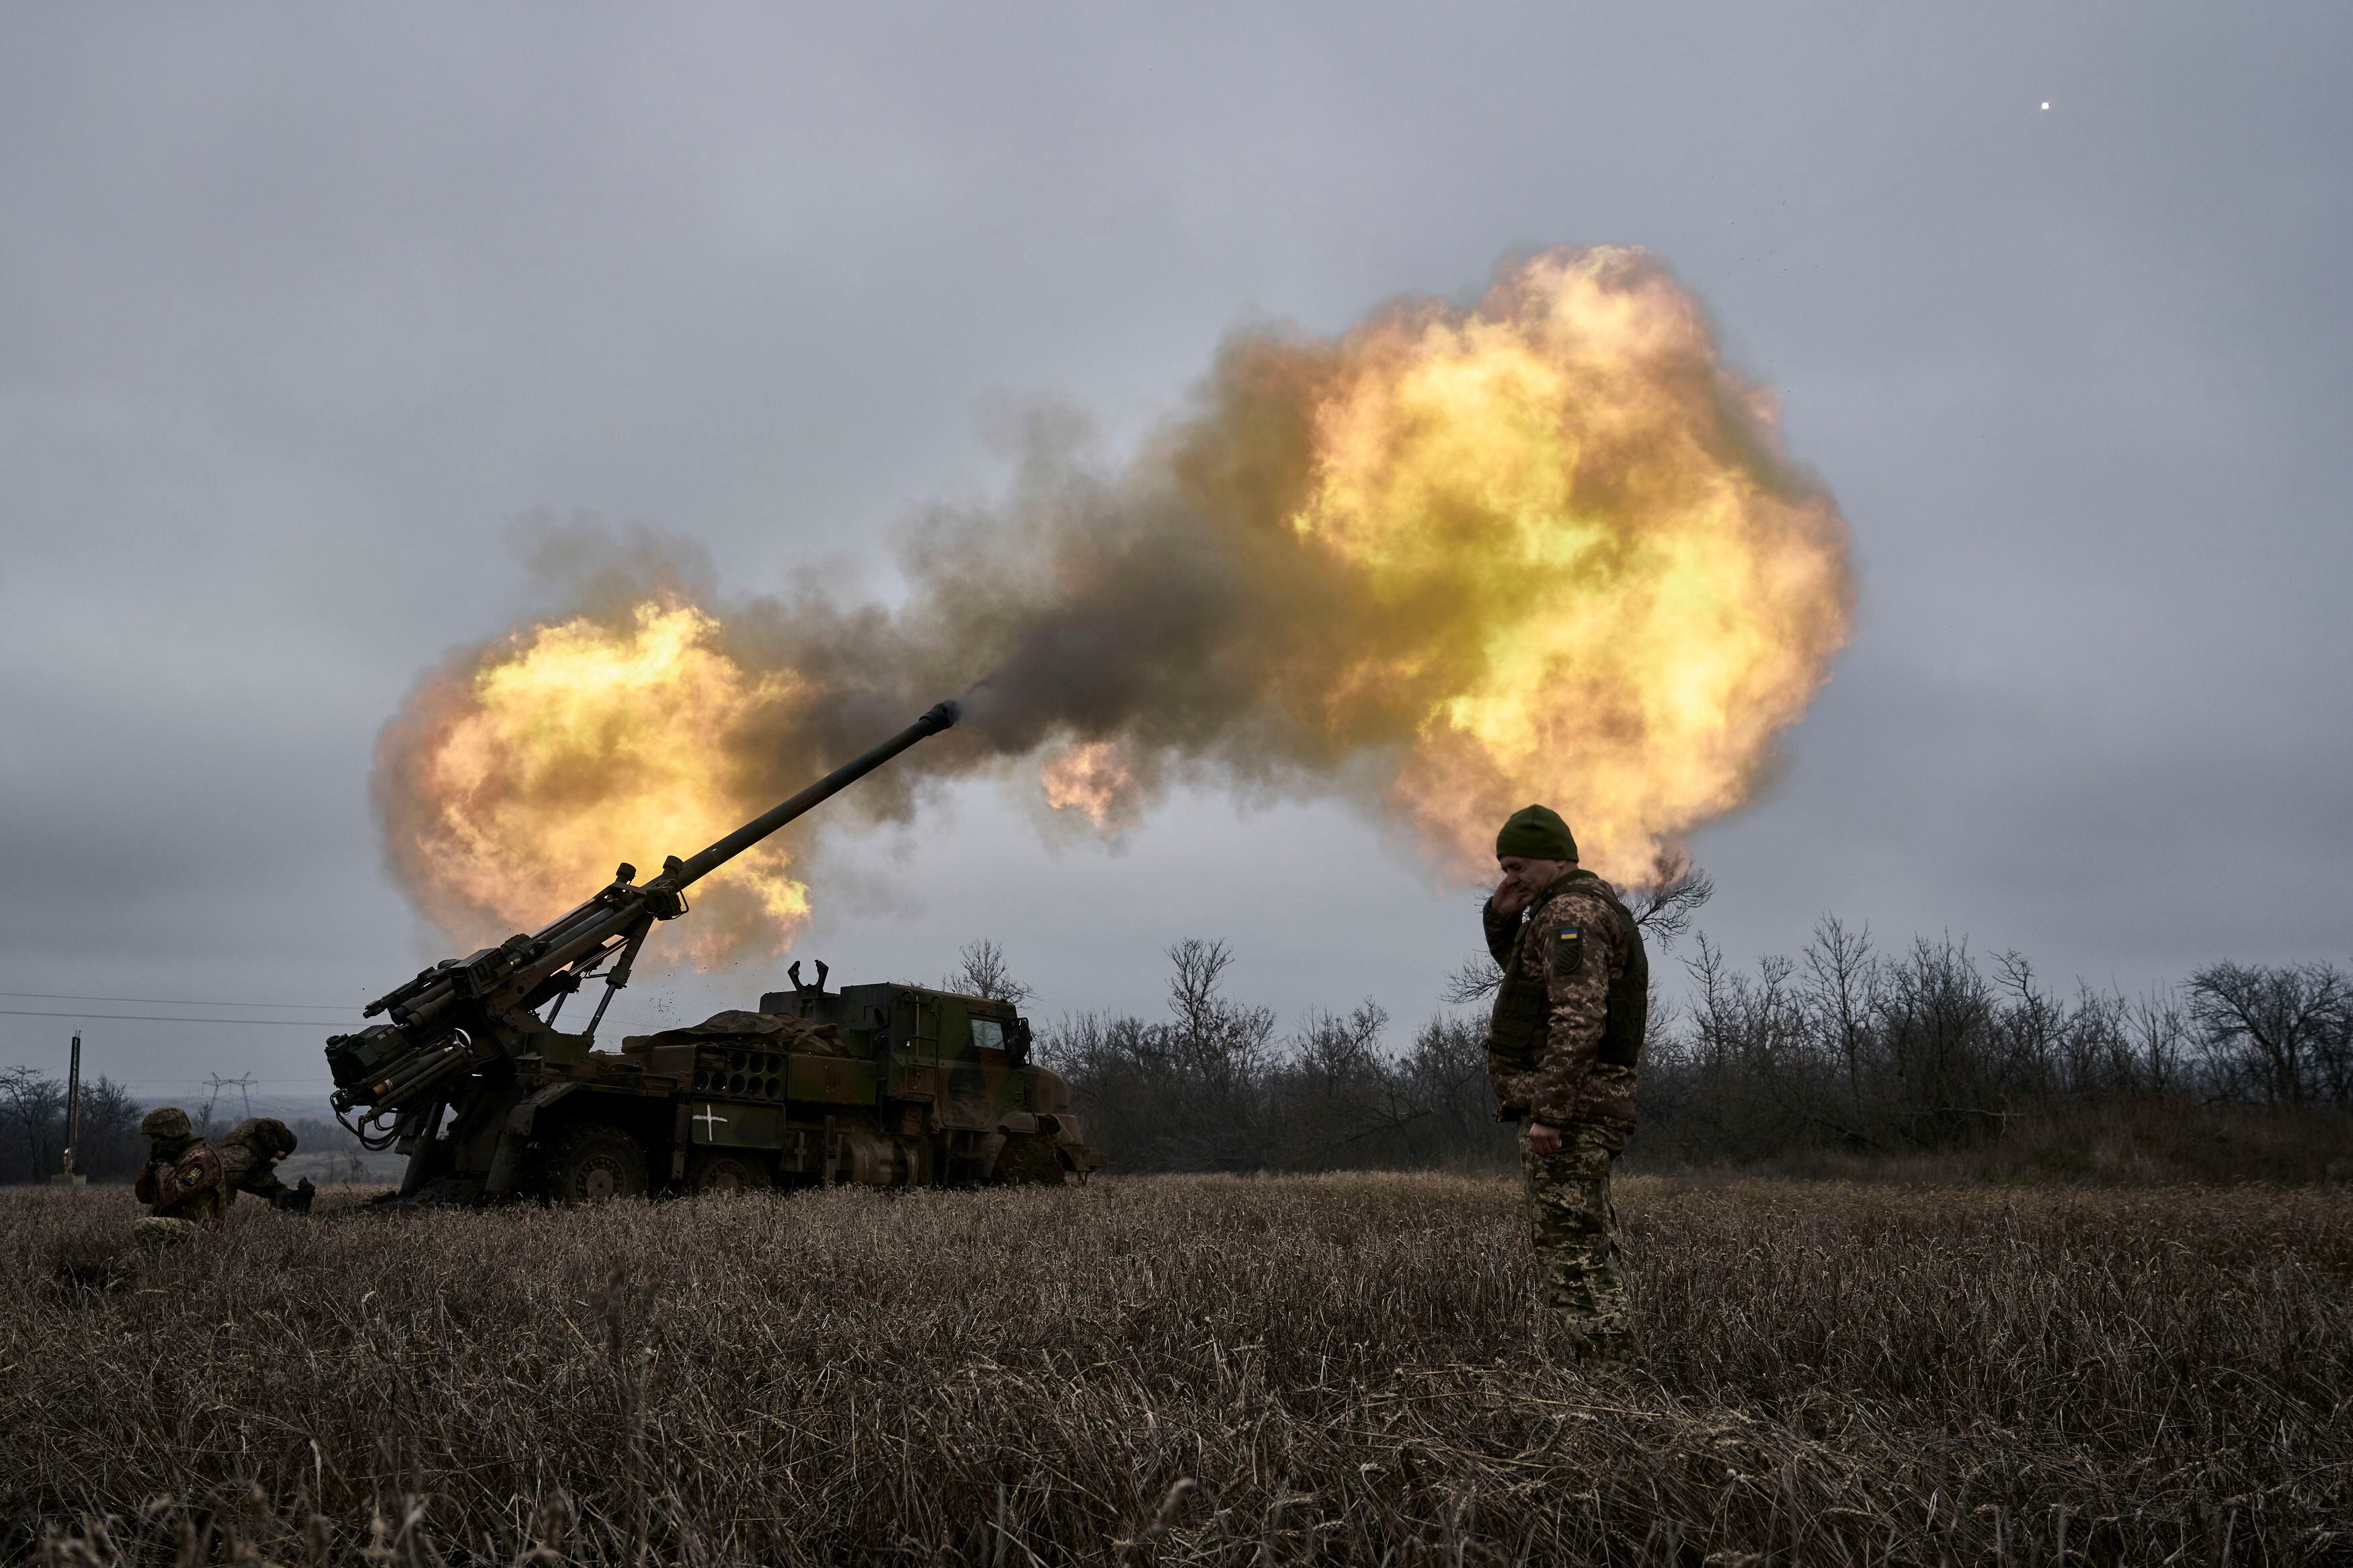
(2046, 105)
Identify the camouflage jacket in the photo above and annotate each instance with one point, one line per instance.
(1573, 943)
(189, 1186)
(245, 1169)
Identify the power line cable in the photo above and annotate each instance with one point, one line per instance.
(199, 1083)
(172, 1001)
(171, 1018)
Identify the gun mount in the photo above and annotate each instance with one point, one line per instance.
(468, 1036)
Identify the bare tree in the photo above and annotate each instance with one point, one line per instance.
(2032, 1024)
(1339, 1089)
(2277, 1034)
(2159, 1032)
(1444, 1075)
(33, 1127)
(33, 1108)
(984, 973)
(1665, 906)
(1228, 1043)
(1476, 977)
(1840, 970)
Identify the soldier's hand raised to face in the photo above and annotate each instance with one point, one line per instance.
(1516, 890)
(1522, 880)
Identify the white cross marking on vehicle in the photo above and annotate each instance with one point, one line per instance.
(711, 1120)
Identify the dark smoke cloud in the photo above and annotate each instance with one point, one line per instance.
(1191, 612)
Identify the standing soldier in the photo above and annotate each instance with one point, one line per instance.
(182, 1183)
(1561, 1047)
(249, 1156)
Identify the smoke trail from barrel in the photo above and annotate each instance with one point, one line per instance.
(1455, 559)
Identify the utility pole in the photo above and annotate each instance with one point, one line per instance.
(67, 1177)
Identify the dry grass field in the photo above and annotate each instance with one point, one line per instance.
(1185, 1368)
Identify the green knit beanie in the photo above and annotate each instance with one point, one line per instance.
(1535, 833)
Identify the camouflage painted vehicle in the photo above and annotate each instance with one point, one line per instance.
(881, 1085)
(886, 1085)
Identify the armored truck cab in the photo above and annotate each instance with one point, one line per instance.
(958, 1085)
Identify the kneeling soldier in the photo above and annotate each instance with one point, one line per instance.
(1568, 1023)
(182, 1183)
(249, 1156)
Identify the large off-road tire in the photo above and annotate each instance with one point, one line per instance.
(729, 1172)
(1029, 1160)
(594, 1162)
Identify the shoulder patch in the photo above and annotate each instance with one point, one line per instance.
(1567, 950)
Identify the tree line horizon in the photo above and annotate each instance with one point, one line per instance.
(1847, 1049)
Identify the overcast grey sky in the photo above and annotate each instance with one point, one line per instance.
(299, 306)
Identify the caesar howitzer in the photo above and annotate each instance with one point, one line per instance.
(468, 1035)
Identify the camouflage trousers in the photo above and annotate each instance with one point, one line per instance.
(1573, 1228)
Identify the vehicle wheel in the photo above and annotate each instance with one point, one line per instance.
(594, 1164)
(1028, 1159)
(729, 1173)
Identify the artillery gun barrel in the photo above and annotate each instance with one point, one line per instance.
(415, 1076)
(693, 869)
(484, 1001)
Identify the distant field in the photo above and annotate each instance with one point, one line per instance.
(1186, 1368)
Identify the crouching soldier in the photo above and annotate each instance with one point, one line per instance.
(182, 1183)
(249, 1156)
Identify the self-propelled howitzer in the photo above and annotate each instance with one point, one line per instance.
(468, 1038)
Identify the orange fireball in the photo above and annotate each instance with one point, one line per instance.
(1545, 548)
(524, 777)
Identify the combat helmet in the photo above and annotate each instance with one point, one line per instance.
(166, 1123)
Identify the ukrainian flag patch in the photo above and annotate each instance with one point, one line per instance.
(1567, 951)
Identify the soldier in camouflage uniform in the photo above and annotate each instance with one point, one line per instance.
(1568, 1023)
(182, 1183)
(249, 1156)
